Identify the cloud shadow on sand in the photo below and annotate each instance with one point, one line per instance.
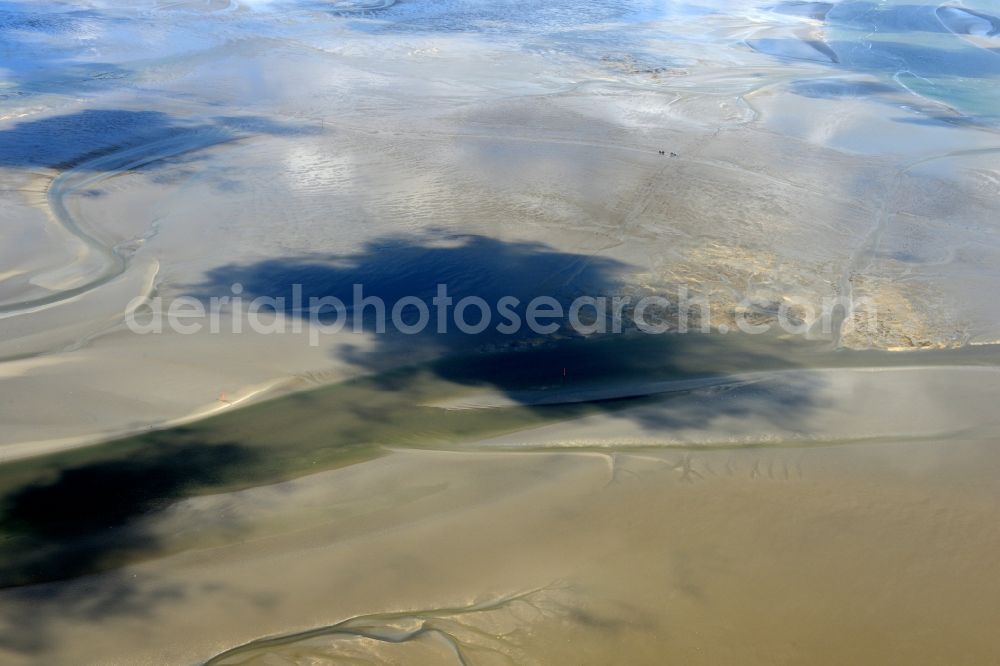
(89, 510)
(77, 140)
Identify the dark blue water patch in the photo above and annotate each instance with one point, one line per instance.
(938, 120)
(889, 58)
(840, 88)
(892, 57)
(881, 18)
(816, 11)
(70, 140)
(964, 21)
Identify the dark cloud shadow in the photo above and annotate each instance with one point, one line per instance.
(72, 140)
(393, 267)
(91, 510)
(87, 505)
(607, 351)
(67, 521)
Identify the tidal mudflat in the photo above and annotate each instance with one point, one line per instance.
(800, 467)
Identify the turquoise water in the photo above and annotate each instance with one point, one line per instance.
(945, 53)
(939, 51)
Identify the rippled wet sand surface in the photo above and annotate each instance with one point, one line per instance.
(234, 498)
(737, 556)
(741, 555)
(760, 515)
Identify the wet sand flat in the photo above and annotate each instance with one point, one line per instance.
(213, 160)
(756, 556)
(760, 518)
(820, 493)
